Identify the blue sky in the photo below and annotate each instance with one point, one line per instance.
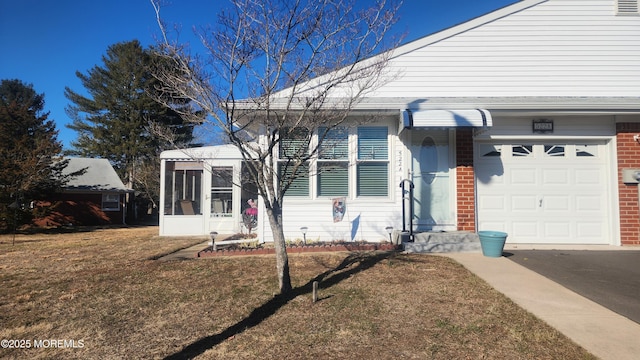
(44, 42)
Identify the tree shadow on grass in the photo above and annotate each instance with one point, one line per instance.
(352, 264)
(61, 230)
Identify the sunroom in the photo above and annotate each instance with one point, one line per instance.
(346, 192)
(202, 190)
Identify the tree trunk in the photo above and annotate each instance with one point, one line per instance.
(130, 213)
(282, 259)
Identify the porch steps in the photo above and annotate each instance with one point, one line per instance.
(443, 242)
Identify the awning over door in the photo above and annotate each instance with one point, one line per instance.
(445, 118)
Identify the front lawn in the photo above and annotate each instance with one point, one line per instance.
(103, 290)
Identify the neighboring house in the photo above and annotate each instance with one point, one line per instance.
(525, 120)
(94, 198)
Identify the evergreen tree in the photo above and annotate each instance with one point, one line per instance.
(31, 161)
(115, 121)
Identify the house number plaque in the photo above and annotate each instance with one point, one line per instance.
(542, 126)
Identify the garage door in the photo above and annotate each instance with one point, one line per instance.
(544, 192)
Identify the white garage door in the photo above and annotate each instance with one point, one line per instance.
(544, 192)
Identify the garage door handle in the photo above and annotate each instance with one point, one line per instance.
(540, 203)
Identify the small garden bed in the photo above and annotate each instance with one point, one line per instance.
(256, 248)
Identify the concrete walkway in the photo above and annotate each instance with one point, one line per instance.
(600, 331)
(186, 253)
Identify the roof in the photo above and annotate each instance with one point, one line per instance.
(99, 176)
(559, 103)
(533, 55)
(619, 104)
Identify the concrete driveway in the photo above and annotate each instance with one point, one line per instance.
(609, 278)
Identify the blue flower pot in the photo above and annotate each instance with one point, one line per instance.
(492, 242)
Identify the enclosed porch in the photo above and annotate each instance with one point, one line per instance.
(206, 190)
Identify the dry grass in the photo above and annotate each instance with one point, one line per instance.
(102, 287)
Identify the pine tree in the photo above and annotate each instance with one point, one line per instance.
(115, 121)
(31, 161)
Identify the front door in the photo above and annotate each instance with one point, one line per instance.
(183, 205)
(222, 218)
(431, 161)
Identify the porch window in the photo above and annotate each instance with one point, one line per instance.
(333, 162)
(110, 202)
(221, 190)
(294, 145)
(373, 161)
(183, 188)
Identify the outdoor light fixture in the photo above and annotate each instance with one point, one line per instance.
(213, 235)
(389, 231)
(304, 234)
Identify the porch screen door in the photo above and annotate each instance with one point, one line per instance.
(430, 153)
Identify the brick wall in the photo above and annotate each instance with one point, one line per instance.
(628, 157)
(77, 209)
(465, 180)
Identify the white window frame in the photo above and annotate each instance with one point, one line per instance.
(363, 159)
(294, 186)
(353, 165)
(327, 160)
(108, 201)
(185, 172)
(221, 196)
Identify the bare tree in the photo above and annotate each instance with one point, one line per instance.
(277, 70)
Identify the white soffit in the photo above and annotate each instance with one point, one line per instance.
(446, 118)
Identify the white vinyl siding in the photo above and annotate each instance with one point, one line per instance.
(366, 214)
(543, 48)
